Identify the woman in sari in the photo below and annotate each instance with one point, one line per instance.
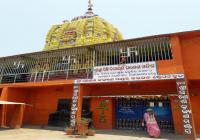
(151, 123)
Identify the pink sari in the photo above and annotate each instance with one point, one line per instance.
(152, 126)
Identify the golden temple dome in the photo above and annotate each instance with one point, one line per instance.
(83, 30)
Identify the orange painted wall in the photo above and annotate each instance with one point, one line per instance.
(195, 98)
(185, 51)
(108, 124)
(43, 100)
(174, 65)
(15, 95)
(190, 51)
(156, 87)
(163, 67)
(177, 118)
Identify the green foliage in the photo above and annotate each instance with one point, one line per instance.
(103, 105)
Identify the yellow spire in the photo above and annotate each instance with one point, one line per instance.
(82, 30)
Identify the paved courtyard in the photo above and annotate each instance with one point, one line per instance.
(48, 133)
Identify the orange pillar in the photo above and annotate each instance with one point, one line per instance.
(4, 94)
(75, 105)
(176, 113)
(3, 107)
(178, 60)
(1, 114)
(17, 116)
(80, 102)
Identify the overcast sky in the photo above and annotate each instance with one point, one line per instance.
(25, 23)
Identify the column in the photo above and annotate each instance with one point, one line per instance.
(186, 109)
(3, 107)
(17, 116)
(74, 105)
(183, 92)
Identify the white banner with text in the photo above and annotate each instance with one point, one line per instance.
(124, 71)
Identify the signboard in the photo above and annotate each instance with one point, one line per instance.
(137, 113)
(138, 78)
(128, 112)
(74, 106)
(128, 72)
(124, 71)
(185, 108)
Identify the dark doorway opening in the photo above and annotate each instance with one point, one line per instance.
(86, 113)
(61, 117)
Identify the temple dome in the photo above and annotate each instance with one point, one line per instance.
(83, 30)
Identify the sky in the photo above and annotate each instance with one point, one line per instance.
(25, 23)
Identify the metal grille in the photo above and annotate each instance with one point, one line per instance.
(78, 62)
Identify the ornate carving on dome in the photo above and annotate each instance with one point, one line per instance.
(84, 30)
(70, 33)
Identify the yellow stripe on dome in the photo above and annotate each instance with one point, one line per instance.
(84, 31)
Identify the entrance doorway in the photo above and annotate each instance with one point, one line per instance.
(62, 115)
(130, 112)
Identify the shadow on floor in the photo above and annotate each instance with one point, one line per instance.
(5, 129)
(139, 134)
(37, 128)
(53, 128)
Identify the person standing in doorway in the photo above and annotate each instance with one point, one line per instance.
(151, 123)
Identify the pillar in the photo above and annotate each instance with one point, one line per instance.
(184, 103)
(17, 116)
(176, 113)
(3, 108)
(80, 103)
(74, 106)
(183, 91)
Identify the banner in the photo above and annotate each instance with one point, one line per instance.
(128, 72)
(137, 78)
(118, 72)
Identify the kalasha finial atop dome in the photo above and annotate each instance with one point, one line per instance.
(87, 14)
(90, 5)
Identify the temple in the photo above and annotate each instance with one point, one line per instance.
(87, 70)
